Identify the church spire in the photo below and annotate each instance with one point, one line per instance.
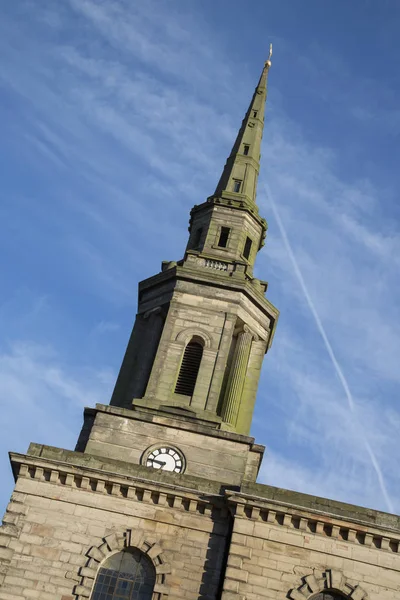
(228, 227)
(203, 324)
(239, 177)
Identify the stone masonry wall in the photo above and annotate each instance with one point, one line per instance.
(68, 522)
(66, 517)
(225, 458)
(278, 552)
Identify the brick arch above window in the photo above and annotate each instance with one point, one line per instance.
(128, 575)
(114, 543)
(194, 335)
(313, 586)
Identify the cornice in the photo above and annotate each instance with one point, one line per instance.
(213, 279)
(166, 419)
(100, 481)
(234, 283)
(313, 521)
(232, 201)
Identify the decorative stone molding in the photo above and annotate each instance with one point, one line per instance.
(329, 580)
(127, 488)
(247, 329)
(216, 264)
(317, 523)
(187, 334)
(115, 542)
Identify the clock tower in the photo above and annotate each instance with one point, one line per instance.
(148, 474)
(185, 393)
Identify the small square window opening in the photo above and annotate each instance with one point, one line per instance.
(246, 149)
(255, 112)
(223, 237)
(236, 185)
(247, 248)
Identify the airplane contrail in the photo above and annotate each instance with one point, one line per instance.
(329, 349)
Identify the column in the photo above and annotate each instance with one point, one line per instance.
(250, 386)
(237, 374)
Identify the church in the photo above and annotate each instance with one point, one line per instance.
(160, 500)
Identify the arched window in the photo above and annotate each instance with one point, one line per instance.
(127, 575)
(329, 596)
(189, 368)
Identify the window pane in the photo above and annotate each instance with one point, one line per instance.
(127, 575)
(236, 185)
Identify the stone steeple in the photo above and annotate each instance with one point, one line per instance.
(203, 323)
(236, 190)
(239, 177)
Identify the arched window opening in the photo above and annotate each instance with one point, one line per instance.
(328, 595)
(189, 369)
(127, 575)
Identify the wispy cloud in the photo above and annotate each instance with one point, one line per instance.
(43, 398)
(105, 327)
(350, 268)
(352, 414)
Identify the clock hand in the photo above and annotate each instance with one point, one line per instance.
(158, 462)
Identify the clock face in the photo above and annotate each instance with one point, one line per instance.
(166, 459)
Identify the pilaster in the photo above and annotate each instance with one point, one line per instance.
(237, 374)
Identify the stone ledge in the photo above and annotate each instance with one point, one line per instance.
(58, 474)
(139, 413)
(313, 522)
(335, 508)
(185, 273)
(112, 466)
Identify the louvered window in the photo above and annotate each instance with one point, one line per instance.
(189, 369)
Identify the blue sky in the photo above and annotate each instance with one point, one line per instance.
(117, 117)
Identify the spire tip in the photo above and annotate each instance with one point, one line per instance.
(268, 61)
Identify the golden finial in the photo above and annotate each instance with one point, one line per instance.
(268, 61)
